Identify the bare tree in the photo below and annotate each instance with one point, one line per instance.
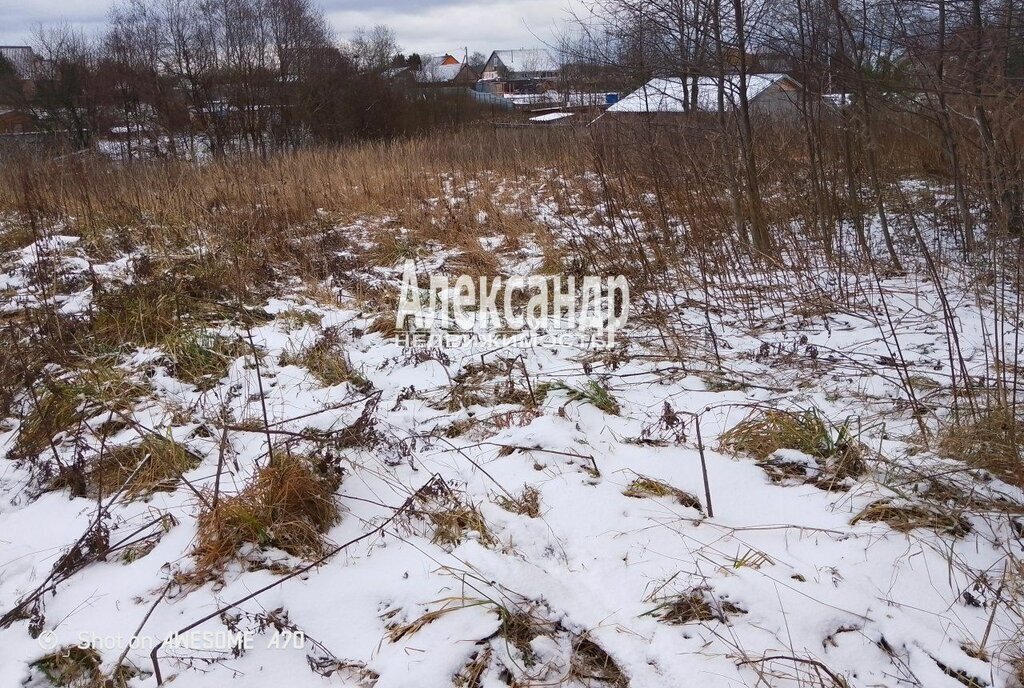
(67, 95)
(374, 49)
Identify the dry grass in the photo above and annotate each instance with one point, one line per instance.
(482, 384)
(471, 675)
(328, 362)
(644, 487)
(287, 190)
(453, 520)
(57, 411)
(765, 431)
(141, 314)
(154, 465)
(526, 504)
(397, 631)
(253, 220)
(293, 319)
(520, 625)
(289, 505)
(61, 405)
(200, 358)
(72, 667)
(1017, 666)
(76, 667)
(907, 517)
(591, 665)
(695, 606)
(455, 524)
(992, 442)
(16, 373)
(171, 298)
(591, 392)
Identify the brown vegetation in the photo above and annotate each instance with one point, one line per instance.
(154, 465)
(994, 441)
(289, 504)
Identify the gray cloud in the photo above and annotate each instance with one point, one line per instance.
(404, 6)
(17, 18)
(424, 26)
(439, 26)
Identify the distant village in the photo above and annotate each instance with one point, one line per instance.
(526, 87)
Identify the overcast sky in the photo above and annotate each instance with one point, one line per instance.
(426, 26)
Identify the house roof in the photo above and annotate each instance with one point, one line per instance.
(668, 95)
(438, 73)
(439, 70)
(443, 58)
(527, 60)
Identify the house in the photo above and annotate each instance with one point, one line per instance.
(22, 59)
(16, 122)
(525, 71)
(433, 71)
(19, 68)
(445, 60)
(770, 94)
(445, 70)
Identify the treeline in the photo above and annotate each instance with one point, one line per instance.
(946, 74)
(185, 77)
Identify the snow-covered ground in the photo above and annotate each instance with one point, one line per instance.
(619, 576)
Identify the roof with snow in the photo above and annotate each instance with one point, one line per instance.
(552, 117)
(668, 95)
(438, 73)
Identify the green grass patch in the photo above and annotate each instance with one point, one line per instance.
(200, 358)
(329, 363)
(592, 392)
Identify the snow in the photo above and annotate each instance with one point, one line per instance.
(546, 98)
(877, 607)
(439, 73)
(670, 95)
(435, 72)
(840, 100)
(551, 117)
